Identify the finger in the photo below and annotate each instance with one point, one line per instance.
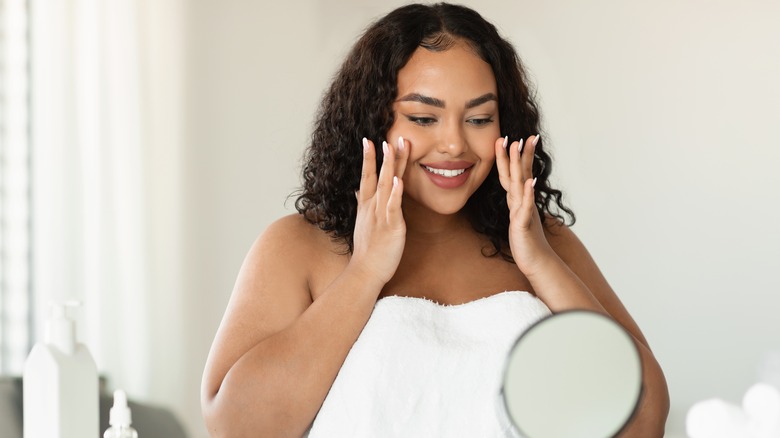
(385, 180)
(528, 157)
(515, 170)
(502, 162)
(528, 206)
(402, 157)
(368, 173)
(395, 216)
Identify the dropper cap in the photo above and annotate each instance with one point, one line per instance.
(119, 415)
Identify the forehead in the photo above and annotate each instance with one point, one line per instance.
(457, 74)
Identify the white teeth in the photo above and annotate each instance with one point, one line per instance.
(445, 172)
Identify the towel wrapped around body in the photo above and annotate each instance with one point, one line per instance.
(421, 369)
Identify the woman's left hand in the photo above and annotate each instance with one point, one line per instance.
(527, 242)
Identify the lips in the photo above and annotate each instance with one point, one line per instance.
(445, 172)
(448, 174)
(450, 165)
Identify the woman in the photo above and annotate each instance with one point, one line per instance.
(453, 209)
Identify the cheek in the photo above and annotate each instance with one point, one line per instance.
(483, 144)
(412, 133)
(419, 140)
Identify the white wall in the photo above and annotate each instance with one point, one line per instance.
(663, 121)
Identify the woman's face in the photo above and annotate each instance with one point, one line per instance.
(447, 111)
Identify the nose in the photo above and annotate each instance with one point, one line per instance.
(452, 142)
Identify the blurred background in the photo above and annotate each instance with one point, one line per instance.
(145, 144)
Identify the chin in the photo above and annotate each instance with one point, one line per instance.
(446, 211)
(441, 205)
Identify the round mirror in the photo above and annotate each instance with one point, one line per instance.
(573, 374)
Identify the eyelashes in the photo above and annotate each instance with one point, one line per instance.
(481, 122)
(428, 121)
(422, 121)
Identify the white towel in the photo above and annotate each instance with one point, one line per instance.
(420, 369)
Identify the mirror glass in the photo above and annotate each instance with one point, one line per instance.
(573, 374)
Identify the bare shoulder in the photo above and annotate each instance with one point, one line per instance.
(565, 243)
(560, 236)
(572, 251)
(295, 242)
(272, 290)
(295, 233)
(283, 241)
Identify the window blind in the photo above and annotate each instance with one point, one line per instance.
(15, 169)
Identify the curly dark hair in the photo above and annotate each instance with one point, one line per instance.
(359, 104)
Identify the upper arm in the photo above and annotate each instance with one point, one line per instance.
(574, 254)
(270, 293)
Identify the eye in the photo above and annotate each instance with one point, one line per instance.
(422, 121)
(481, 121)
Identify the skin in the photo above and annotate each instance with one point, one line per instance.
(299, 304)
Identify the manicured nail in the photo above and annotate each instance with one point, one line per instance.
(384, 148)
(533, 184)
(536, 139)
(520, 147)
(395, 181)
(365, 145)
(400, 143)
(506, 141)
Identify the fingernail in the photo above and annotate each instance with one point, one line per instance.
(506, 140)
(400, 143)
(533, 184)
(395, 181)
(536, 139)
(384, 148)
(520, 146)
(365, 145)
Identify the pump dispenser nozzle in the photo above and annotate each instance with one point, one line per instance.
(60, 329)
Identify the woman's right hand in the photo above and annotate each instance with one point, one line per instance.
(380, 230)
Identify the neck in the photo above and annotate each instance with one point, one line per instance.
(425, 226)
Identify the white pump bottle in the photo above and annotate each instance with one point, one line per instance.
(60, 383)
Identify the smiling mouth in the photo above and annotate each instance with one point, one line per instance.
(447, 173)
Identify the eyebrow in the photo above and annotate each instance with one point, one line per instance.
(427, 100)
(480, 100)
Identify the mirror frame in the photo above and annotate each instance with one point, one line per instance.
(552, 317)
